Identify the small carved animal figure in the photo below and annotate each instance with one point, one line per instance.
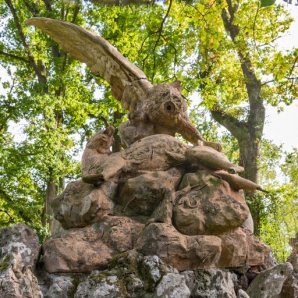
(163, 104)
(97, 148)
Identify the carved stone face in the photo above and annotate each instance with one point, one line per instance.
(164, 104)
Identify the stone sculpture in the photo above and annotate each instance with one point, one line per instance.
(155, 109)
(158, 196)
(141, 215)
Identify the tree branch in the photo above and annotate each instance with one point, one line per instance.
(253, 28)
(41, 77)
(47, 4)
(33, 8)
(9, 215)
(77, 9)
(14, 56)
(231, 123)
(293, 66)
(253, 85)
(104, 120)
(159, 31)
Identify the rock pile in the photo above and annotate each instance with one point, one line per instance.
(159, 197)
(129, 274)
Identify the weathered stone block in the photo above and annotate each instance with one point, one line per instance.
(92, 247)
(19, 247)
(211, 208)
(82, 204)
(180, 251)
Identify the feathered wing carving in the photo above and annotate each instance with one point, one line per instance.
(128, 83)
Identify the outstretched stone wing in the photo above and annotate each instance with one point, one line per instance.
(129, 84)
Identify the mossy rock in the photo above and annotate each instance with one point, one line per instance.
(5, 263)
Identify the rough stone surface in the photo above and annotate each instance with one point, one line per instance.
(191, 222)
(132, 275)
(127, 273)
(90, 248)
(242, 294)
(234, 249)
(212, 208)
(142, 194)
(19, 253)
(154, 153)
(257, 251)
(180, 251)
(58, 285)
(172, 286)
(95, 286)
(81, 204)
(241, 248)
(269, 283)
(211, 283)
(290, 286)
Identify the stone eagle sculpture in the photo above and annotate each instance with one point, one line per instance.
(154, 109)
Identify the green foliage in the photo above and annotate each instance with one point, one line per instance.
(265, 3)
(278, 175)
(49, 93)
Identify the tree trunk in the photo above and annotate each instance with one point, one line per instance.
(117, 141)
(249, 154)
(248, 133)
(47, 218)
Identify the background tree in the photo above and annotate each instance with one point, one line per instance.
(240, 70)
(47, 92)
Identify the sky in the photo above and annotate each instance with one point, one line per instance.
(281, 128)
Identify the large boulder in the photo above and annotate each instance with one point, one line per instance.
(92, 247)
(211, 283)
(61, 285)
(82, 204)
(211, 207)
(180, 251)
(19, 254)
(143, 193)
(132, 275)
(241, 248)
(290, 286)
(268, 283)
